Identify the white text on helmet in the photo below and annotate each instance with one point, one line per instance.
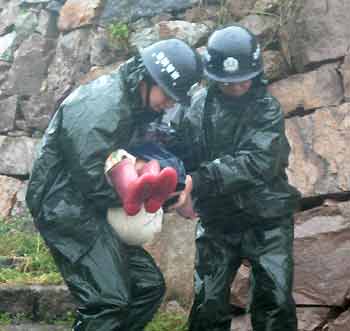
(164, 62)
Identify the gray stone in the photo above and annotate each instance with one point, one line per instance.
(317, 31)
(46, 302)
(312, 318)
(239, 8)
(29, 68)
(315, 89)
(8, 108)
(322, 256)
(319, 161)
(264, 27)
(17, 155)
(106, 50)
(192, 33)
(341, 323)
(128, 11)
(77, 13)
(267, 6)
(47, 24)
(9, 15)
(174, 252)
(36, 327)
(6, 43)
(25, 25)
(71, 62)
(38, 110)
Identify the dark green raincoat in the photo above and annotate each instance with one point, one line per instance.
(118, 287)
(238, 152)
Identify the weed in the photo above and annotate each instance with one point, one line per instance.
(37, 266)
(166, 322)
(119, 34)
(5, 318)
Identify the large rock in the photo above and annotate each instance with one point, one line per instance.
(30, 65)
(8, 108)
(8, 15)
(192, 33)
(319, 88)
(342, 323)
(77, 13)
(105, 49)
(25, 24)
(319, 162)
(239, 8)
(312, 318)
(128, 11)
(264, 27)
(317, 31)
(38, 110)
(6, 43)
(267, 6)
(174, 252)
(30, 326)
(43, 302)
(322, 256)
(71, 62)
(17, 155)
(47, 24)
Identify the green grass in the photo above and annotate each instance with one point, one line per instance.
(161, 322)
(167, 321)
(37, 266)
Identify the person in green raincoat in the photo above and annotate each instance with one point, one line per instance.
(237, 159)
(118, 287)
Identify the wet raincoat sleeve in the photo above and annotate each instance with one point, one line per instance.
(90, 132)
(257, 159)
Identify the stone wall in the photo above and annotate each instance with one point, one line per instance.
(48, 47)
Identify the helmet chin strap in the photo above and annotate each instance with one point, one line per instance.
(148, 84)
(148, 95)
(147, 114)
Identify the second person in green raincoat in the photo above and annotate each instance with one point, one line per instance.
(232, 141)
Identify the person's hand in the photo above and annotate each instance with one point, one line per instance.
(184, 205)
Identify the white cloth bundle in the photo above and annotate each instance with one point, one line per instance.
(138, 229)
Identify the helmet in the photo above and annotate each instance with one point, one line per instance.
(233, 55)
(174, 66)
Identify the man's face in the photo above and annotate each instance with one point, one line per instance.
(235, 89)
(158, 100)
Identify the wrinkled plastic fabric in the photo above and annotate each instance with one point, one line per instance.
(218, 257)
(237, 154)
(68, 196)
(118, 287)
